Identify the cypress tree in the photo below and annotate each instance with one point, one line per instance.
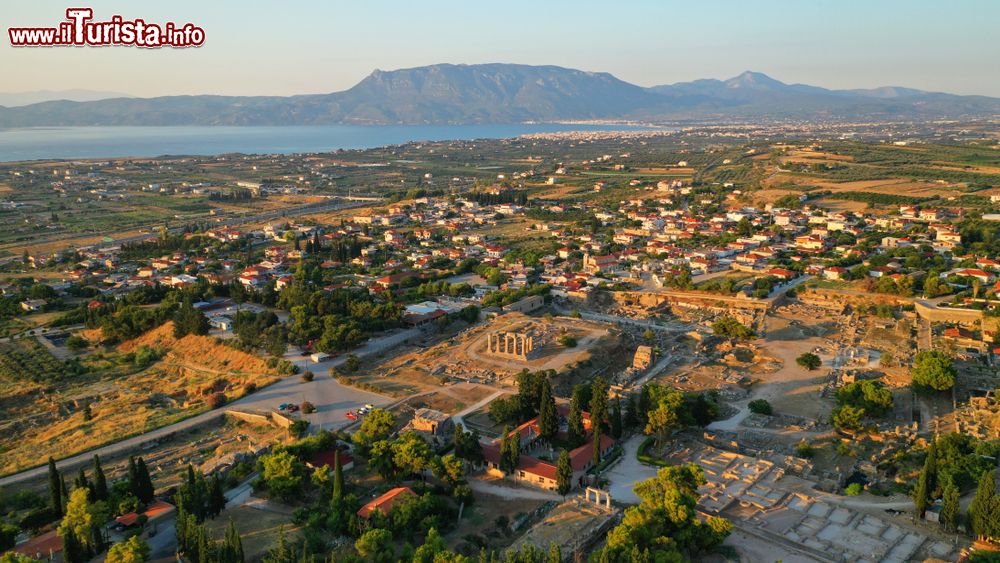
(232, 546)
(133, 477)
(598, 403)
(216, 497)
(631, 416)
(63, 492)
(575, 430)
(338, 477)
(597, 447)
(146, 492)
(548, 420)
(555, 555)
(925, 483)
(55, 489)
(564, 474)
(100, 481)
(950, 508)
(983, 509)
(206, 551)
(82, 483)
(616, 419)
(73, 549)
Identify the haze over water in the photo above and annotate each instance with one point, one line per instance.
(107, 142)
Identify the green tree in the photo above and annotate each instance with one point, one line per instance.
(55, 489)
(848, 418)
(84, 520)
(188, 320)
(352, 364)
(144, 490)
(411, 453)
(74, 551)
(338, 478)
(282, 474)
(282, 552)
(564, 474)
(231, 550)
(925, 483)
(950, 508)
(449, 469)
(598, 403)
(132, 550)
(809, 361)
(216, 497)
(377, 425)
(8, 536)
(933, 370)
(576, 433)
(548, 418)
(596, 448)
(555, 554)
(100, 481)
(984, 511)
(665, 523)
(666, 413)
(510, 451)
(376, 545)
(760, 406)
(728, 327)
(616, 419)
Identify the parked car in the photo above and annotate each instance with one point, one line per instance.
(369, 406)
(351, 415)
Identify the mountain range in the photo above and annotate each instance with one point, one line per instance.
(511, 93)
(12, 99)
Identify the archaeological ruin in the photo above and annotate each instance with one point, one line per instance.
(510, 345)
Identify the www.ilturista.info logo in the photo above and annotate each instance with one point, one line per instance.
(79, 30)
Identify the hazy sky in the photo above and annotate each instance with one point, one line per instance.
(296, 47)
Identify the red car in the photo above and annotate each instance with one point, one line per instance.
(351, 415)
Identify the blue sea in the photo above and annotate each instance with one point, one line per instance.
(104, 142)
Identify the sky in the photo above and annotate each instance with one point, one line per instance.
(290, 47)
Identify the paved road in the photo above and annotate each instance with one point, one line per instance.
(623, 476)
(331, 399)
(459, 418)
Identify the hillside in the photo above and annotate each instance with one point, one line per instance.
(509, 93)
(125, 397)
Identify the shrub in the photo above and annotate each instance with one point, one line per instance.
(805, 450)
(729, 327)
(760, 406)
(77, 343)
(567, 341)
(216, 400)
(298, 428)
(308, 408)
(308, 376)
(809, 361)
(853, 490)
(250, 387)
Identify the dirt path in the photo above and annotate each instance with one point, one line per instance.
(791, 389)
(493, 486)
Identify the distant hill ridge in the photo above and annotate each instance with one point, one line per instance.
(510, 93)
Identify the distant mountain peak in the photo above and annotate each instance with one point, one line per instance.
(756, 80)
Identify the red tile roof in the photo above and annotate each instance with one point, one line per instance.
(43, 545)
(385, 502)
(158, 508)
